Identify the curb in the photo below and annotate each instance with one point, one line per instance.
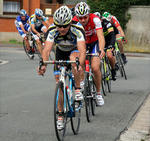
(140, 128)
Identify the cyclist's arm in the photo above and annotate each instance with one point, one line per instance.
(82, 51)
(121, 31)
(22, 27)
(47, 23)
(101, 39)
(47, 49)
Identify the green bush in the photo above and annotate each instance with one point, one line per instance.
(117, 8)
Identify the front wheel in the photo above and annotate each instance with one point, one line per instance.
(59, 93)
(75, 120)
(87, 97)
(27, 51)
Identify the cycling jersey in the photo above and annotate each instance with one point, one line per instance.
(35, 21)
(26, 26)
(19, 21)
(109, 36)
(114, 21)
(91, 27)
(69, 41)
(65, 44)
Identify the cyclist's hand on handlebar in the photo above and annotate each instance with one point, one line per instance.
(41, 70)
(102, 54)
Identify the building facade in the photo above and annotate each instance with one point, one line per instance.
(9, 10)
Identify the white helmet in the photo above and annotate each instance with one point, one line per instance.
(62, 16)
(82, 9)
(38, 12)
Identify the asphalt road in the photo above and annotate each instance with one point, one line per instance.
(26, 100)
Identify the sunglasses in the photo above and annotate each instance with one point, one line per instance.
(64, 26)
(81, 18)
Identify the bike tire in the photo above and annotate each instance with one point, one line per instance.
(60, 134)
(121, 65)
(75, 120)
(93, 100)
(87, 97)
(103, 81)
(36, 48)
(123, 70)
(26, 51)
(108, 79)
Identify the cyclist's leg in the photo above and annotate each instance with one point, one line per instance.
(27, 28)
(77, 76)
(112, 63)
(95, 65)
(23, 35)
(39, 46)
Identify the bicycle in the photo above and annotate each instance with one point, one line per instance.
(33, 45)
(71, 108)
(89, 88)
(106, 75)
(119, 61)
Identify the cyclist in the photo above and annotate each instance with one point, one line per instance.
(70, 40)
(73, 12)
(23, 27)
(109, 35)
(37, 26)
(95, 42)
(115, 22)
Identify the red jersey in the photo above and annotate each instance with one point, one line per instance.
(93, 24)
(114, 21)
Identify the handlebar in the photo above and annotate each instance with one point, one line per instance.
(61, 62)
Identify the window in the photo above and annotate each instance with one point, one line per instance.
(11, 7)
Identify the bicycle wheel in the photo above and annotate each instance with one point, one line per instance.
(26, 51)
(35, 48)
(60, 134)
(87, 97)
(121, 65)
(108, 78)
(103, 81)
(93, 100)
(75, 120)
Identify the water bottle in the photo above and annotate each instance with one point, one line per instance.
(69, 94)
(87, 65)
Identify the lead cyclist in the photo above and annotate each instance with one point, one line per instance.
(70, 40)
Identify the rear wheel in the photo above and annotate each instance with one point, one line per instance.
(60, 134)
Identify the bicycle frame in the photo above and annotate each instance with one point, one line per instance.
(63, 74)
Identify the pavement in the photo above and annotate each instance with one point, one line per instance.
(139, 128)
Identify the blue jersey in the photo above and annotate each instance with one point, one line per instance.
(19, 21)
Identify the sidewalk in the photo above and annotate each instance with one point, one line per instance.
(140, 128)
